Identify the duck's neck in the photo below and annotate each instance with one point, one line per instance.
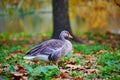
(62, 37)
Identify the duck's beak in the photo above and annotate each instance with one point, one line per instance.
(69, 36)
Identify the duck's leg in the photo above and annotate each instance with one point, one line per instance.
(59, 68)
(56, 63)
(48, 62)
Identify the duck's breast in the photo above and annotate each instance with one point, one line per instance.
(68, 47)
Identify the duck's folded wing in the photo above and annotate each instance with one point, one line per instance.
(58, 53)
(46, 48)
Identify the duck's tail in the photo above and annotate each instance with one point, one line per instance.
(28, 57)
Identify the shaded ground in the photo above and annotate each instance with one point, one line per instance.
(98, 60)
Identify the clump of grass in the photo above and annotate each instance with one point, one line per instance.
(88, 49)
(43, 72)
(109, 62)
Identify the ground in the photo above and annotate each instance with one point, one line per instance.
(99, 59)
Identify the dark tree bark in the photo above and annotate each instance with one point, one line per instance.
(61, 19)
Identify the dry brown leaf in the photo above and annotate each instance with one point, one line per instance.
(78, 78)
(16, 74)
(18, 67)
(78, 54)
(64, 75)
(20, 73)
(90, 58)
(73, 67)
(65, 70)
(17, 52)
(89, 71)
(101, 51)
(12, 55)
(35, 61)
(112, 47)
(4, 68)
(71, 61)
(29, 62)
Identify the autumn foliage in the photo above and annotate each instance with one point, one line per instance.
(97, 14)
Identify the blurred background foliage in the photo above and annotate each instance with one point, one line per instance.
(36, 15)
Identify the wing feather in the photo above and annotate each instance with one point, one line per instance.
(58, 53)
(47, 47)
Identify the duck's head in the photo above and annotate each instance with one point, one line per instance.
(65, 34)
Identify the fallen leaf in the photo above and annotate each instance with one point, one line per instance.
(73, 67)
(4, 68)
(112, 47)
(101, 51)
(71, 61)
(20, 73)
(16, 74)
(90, 58)
(35, 61)
(78, 78)
(18, 67)
(64, 75)
(89, 71)
(17, 52)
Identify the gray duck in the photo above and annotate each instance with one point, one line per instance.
(52, 50)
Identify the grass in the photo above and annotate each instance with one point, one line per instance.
(101, 60)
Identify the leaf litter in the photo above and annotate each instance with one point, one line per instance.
(88, 68)
(76, 67)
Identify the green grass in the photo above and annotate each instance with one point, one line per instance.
(14, 46)
(88, 49)
(110, 61)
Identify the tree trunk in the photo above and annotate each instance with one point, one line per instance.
(61, 19)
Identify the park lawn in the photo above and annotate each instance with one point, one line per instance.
(99, 59)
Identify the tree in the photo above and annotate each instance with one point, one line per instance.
(61, 19)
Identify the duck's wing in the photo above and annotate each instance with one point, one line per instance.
(46, 48)
(58, 53)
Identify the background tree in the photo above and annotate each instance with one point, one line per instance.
(61, 19)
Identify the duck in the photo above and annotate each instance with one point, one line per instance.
(51, 50)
